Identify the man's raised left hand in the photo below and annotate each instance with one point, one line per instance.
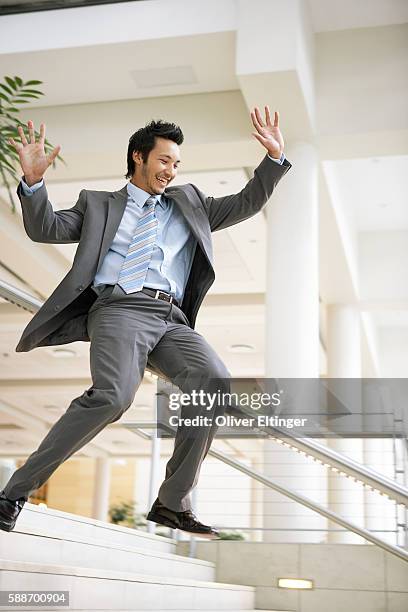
(268, 134)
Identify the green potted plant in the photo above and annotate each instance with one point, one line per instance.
(232, 535)
(124, 513)
(14, 92)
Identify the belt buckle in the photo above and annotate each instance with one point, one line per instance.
(169, 298)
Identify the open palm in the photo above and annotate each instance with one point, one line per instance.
(268, 133)
(33, 159)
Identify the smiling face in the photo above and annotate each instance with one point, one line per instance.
(160, 169)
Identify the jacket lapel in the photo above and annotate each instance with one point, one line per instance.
(195, 218)
(116, 207)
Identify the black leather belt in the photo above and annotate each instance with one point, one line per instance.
(160, 295)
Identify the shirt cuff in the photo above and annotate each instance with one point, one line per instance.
(278, 161)
(28, 191)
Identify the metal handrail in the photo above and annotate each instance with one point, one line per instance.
(344, 466)
(341, 463)
(19, 297)
(308, 503)
(24, 300)
(287, 492)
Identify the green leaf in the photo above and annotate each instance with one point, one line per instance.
(9, 126)
(11, 152)
(11, 83)
(13, 174)
(9, 146)
(13, 94)
(5, 162)
(7, 89)
(25, 95)
(11, 170)
(33, 91)
(12, 118)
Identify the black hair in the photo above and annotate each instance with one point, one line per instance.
(144, 141)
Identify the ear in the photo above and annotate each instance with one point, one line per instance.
(137, 158)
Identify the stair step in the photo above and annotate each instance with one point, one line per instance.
(36, 544)
(92, 589)
(72, 525)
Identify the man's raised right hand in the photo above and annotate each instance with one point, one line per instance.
(33, 159)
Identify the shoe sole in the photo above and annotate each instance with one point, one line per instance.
(160, 520)
(205, 536)
(7, 526)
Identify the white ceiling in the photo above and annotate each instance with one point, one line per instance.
(349, 14)
(378, 198)
(128, 71)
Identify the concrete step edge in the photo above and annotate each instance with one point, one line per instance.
(89, 572)
(88, 540)
(76, 518)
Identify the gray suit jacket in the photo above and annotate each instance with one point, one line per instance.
(93, 223)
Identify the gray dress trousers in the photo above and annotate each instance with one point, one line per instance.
(124, 331)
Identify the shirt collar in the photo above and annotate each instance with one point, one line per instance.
(139, 196)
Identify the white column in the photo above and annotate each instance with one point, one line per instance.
(343, 341)
(7, 468)
(344, 361)
(379, 510)
(292, 299)
(257, 495)
(101, 489)
(292, 334)
(154, 474)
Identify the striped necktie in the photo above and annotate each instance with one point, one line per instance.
(134, 268)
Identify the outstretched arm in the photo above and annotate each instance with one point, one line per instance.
(41, 223)
(229, 210)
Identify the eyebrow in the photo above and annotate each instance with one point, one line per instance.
(169, 156)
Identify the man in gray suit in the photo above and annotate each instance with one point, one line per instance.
(141, 270)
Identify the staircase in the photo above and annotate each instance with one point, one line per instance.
(107, 567)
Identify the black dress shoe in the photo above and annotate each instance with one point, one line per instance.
(9, 511)
(185, 521)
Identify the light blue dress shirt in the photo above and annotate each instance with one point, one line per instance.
(171, 259)
(172, 255)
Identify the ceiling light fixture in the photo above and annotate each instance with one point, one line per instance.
(294, 583)
(52, 408)
(241, 348)
(120, 461)
(62, 353)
